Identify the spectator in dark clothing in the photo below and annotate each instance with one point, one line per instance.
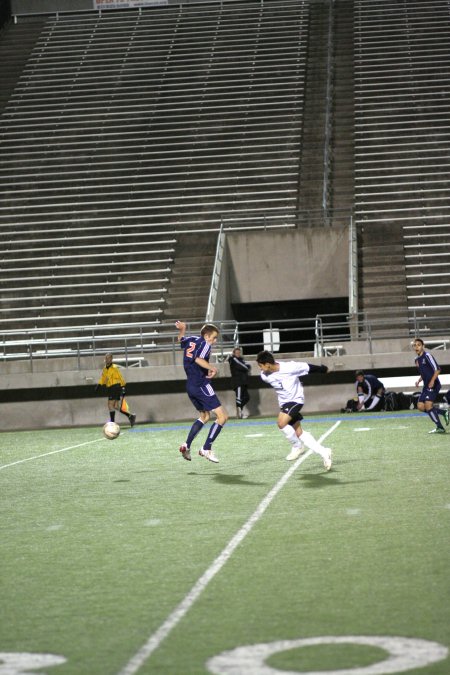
(240, 370)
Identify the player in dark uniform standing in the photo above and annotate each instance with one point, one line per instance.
(199, 372)
(429, 375)
(240, 370)
(370, 391)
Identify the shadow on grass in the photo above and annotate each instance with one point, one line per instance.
(235, 479)
(227, 478)
(322, 480)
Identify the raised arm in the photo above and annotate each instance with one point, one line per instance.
(182, 329)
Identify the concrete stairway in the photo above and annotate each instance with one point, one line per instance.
(16, 45)
(311, 175)
(382, 278)
(190, 281)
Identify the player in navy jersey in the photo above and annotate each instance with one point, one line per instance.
(199, 372)
(240, 370)
(370, 391)
(429, 371)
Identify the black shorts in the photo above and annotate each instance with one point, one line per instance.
(115, 392)
(293, 410)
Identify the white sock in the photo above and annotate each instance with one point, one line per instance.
(311, 443)
(374, 402)
(290, 434)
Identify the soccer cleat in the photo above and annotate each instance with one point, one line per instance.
(295, 452)
(446, 417)
(327, 459)
(437, 430)
(132, 420)
(185, 451)
(208, 454)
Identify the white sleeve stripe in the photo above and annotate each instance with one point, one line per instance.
(204, 351)
(432, 361)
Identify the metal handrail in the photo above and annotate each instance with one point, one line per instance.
(312, 335)
(215, 278)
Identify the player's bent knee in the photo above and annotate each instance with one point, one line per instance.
(222, 416)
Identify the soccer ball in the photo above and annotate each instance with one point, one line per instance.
(111, 430)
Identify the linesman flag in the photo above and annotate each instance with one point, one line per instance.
(124, 408)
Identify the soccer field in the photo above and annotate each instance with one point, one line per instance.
(119, 557)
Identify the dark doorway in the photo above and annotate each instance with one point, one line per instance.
(294, 320)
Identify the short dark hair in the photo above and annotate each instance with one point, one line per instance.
(265, 357)
(209, 328)
(359, 372)
(419, 340)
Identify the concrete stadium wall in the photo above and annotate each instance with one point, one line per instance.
(157, 393)
(278, 265)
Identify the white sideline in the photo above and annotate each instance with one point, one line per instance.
(53, 452)
(181, 610)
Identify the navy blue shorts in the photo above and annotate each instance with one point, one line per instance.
(429, 394)
(293, 410)
(203, 398)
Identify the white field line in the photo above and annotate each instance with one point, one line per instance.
(185, 605)
(53, 452)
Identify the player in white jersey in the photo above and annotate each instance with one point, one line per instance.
(284, 376)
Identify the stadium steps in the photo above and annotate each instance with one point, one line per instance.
(382, 276)
(311, 175)
(402, 176)
(143, 123)
(188, 291)
(16, 44)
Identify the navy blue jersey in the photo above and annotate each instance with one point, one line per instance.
(370, 385)
(239, 370)
(195, 347)
(426, 365)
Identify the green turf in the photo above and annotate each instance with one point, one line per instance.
(100, 542)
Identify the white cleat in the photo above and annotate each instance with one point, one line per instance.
(295, 453)
(208, 454)
(327, 459)
(185, 452)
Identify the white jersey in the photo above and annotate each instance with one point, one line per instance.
(286, 383)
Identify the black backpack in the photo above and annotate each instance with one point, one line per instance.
(391, 401)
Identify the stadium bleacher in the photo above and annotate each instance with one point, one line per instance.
(402, 187)
(127, 129)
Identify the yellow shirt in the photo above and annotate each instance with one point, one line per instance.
(111, 376)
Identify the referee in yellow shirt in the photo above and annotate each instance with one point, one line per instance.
(114, 382)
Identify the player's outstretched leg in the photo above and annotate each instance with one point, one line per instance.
(310, 442)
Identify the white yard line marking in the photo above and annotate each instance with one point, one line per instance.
(185, 605)
(53, 452)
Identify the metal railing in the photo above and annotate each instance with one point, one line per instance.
(352, 268)
(215, 280)
(136, 344)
